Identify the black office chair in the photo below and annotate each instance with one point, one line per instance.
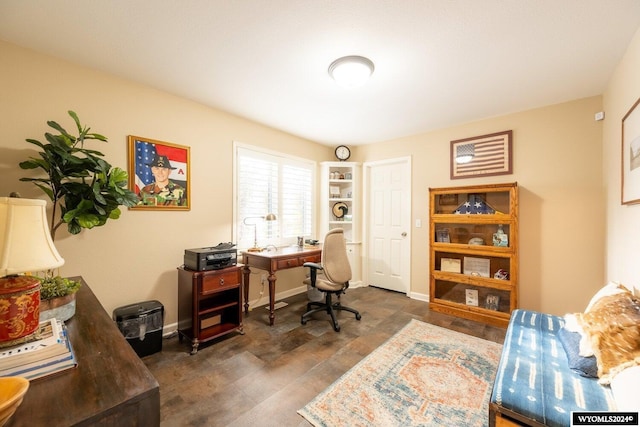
(334, 278)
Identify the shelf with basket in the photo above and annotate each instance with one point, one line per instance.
(474, 251)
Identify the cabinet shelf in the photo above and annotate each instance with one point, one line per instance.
(477, 313)
(216, 331)
(209, 304)
(486, 282)
(485, 289)
(345, 191)
(216, 308)
(475, 249)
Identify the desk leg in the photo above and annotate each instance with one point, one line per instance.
(272, 297)
(246, 271)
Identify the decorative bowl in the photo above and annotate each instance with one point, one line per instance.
(12, 391)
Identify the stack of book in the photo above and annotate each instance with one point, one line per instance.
(49, 353)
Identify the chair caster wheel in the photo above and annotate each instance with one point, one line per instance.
(358, 317)
(337, 328)
(304, 322)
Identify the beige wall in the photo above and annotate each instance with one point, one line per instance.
(558, 169)
(623, 221)
(134, 258)
(557, 164)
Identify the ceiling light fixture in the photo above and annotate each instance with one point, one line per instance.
(351, 71)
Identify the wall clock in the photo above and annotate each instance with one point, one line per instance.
(343, 152)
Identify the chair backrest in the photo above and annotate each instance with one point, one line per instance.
(334, 257)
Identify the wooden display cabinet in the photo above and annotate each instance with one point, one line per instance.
(474, 251)
(209, 304)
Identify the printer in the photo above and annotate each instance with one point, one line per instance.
(212, 258)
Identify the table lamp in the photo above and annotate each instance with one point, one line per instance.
(267, 217)
(25, 246)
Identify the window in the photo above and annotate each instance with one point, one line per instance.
(269, 182)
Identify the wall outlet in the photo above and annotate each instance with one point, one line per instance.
(263, 279)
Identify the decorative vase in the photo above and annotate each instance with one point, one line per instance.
(19, 308)
(60, 308)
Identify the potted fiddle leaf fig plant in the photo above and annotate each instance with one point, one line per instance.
(86, 191)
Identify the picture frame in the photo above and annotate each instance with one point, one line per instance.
(471, 297)
(476, 266)
(489, 155)
(172, 166)
(442, 236)
(631, 156)
(448, 199)
(492, 302)
(450, 265)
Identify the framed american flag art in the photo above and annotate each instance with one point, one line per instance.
(484, 155)
(159, 174)
(631, 156)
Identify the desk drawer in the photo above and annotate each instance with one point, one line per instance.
(296, 261)
(288, 263)
(217, 282)
(310, 258)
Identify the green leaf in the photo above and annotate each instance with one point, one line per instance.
(74, 228)
(36, 142)
(30, 164)
(84, 186)
(88, 220)
(115, 214)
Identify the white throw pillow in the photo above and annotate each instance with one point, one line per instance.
(626, 389)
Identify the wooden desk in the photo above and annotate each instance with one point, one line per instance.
(287, 257)
(110, 386)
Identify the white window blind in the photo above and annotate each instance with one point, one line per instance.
(269, 182)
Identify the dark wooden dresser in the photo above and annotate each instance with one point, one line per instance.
(111, 386)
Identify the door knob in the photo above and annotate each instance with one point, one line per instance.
(404, 234)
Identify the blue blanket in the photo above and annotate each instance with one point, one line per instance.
(534, 379)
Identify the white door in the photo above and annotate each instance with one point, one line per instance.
(388, 224)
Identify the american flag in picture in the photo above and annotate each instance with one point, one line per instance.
(146, 152)
(491, 155)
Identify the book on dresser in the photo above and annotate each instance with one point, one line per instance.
(49, 353)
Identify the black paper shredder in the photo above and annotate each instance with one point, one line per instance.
(141, 324)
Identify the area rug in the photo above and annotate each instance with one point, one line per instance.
(424, 375)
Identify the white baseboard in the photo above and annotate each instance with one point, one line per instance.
(169, 329)
(419, 296)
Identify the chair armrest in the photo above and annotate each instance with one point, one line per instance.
(313, 265)
(313, 271)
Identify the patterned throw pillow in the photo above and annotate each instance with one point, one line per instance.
(613, 327)
(584, 366)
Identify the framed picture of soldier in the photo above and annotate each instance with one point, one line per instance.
(159, 173)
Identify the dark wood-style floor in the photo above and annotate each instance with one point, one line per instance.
(264, 376)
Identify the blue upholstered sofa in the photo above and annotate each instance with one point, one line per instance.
(534, 384)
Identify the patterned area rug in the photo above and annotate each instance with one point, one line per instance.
(422, 376)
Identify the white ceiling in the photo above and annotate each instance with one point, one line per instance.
(438, 62)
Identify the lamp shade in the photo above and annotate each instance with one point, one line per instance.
(25, 239)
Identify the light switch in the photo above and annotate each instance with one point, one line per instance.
(418, 223)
